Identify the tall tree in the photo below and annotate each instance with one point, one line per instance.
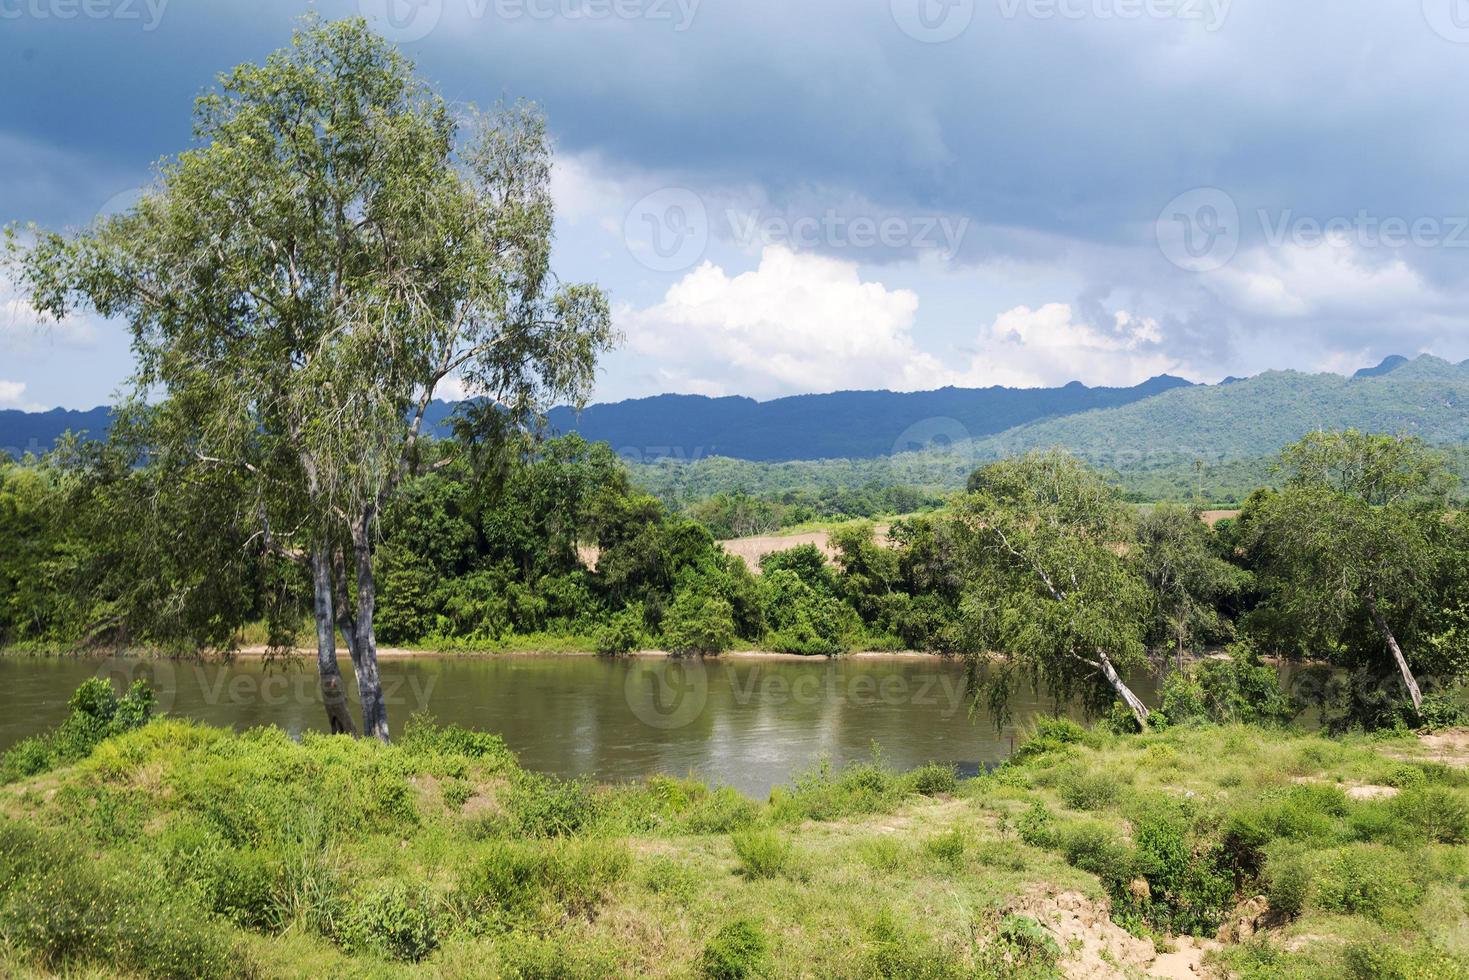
(1350, 537)
(1050, 591)
(1188, 578)
(302, 282)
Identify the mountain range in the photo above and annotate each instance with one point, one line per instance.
(1164, 417)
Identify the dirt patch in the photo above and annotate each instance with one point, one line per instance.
(1185, 961)
(1093, 946)
(1370, 792)
(1450, 746)
(752, 549)
(1212, 517)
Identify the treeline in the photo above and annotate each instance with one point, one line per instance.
(1357, 560)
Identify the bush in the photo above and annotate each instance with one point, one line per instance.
(1237, 688)
(1095, 848)
(933, 779)
(623, 632)
(1089, 789)
(1288, 888)
(948, 847)
(1037, 827)
(735, 952)
(762, 853)
(698, 624)
(1049, 734)
(96, 713)
(544, 806)
(1438, 814)
(1365, 879)
(66, 908)
(399, 921)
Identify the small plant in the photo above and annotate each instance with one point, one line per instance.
(1288, 888)
(544, 806)
(762, 852)
(399, 922)
(1021, 947)
(1090, 789)
(1438, 814)
(736, 951)
(933, 779)
(948, 847)
(1036, 826)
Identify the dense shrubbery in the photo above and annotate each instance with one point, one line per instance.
(96, 713)
(440, 850)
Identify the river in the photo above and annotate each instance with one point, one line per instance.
(745, 722)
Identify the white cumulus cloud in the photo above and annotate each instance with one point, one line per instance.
(798, 322)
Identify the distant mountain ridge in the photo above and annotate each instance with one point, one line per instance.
(1159, 421)
(1426, 397)
(840, 425)
(844, 424)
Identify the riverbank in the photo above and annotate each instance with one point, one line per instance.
(572, 649)
(1188, 852)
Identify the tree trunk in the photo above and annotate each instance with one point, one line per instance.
(1139, 710)
(1397, 652)
(369, 684)
(333, 696)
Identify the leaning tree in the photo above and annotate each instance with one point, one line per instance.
(1353, 536)
(301, 283)
(1049, 591)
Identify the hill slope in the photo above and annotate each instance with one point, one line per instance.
(844, 424)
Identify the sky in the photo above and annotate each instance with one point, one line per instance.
(787, 196)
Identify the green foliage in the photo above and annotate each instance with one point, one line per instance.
(96, 713)
(624, 632)
(399, 922)
(698, 624)
(736, 952)
(1021, 947)
(762, 852)
(1237, 688)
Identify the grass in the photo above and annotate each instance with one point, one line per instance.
(439, 856)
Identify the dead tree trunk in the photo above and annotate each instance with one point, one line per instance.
(1409, 680)
(1139, 710)
(369, 684)
(333, 695)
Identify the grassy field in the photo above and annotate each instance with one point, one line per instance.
(174, 849)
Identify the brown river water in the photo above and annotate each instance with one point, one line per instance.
(748, 723)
